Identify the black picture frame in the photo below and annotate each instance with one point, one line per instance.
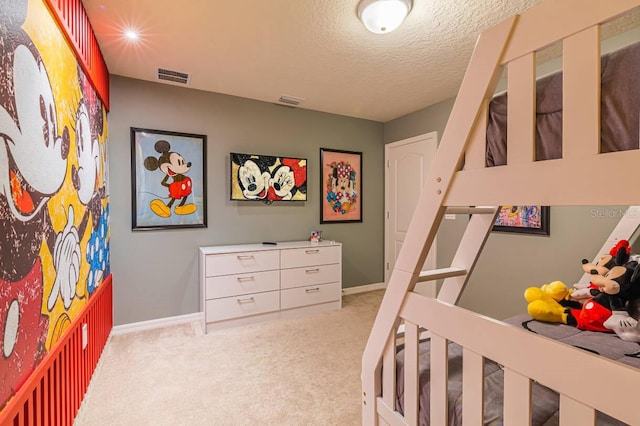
(340, 186)
(267, 178)
(168, 180)
(524, 220)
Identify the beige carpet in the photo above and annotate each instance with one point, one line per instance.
(298, 371)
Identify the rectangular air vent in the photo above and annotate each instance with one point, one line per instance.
(290, 100)
(175, 76)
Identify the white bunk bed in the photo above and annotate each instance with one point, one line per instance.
(586, 383)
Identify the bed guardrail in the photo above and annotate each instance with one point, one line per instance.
(526, 358)
(580, 38)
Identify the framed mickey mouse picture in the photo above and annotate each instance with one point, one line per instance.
(168, 180)
(340, 186)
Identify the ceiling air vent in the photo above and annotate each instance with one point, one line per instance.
(175, 76)
(290, 100)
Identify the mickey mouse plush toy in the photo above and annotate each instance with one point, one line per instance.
(594, 312)
(617, 256)
(610, 300)
(173, 166)
(624, 319)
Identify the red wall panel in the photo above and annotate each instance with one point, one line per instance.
(74, 23)
(53, 393)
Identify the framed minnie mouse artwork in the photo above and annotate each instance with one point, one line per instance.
(340, 186)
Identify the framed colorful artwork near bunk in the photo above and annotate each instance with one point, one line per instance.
(523, 219)
(168, 180)
(340, 186)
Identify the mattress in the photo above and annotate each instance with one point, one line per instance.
(620, 108)
(545, 401)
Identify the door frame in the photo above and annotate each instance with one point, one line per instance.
(430, 263)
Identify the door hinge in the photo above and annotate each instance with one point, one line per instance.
(387, 266)
(387, 164)
(387, 215)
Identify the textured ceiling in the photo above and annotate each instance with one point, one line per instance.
(317, 50)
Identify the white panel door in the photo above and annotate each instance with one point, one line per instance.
(407, 163)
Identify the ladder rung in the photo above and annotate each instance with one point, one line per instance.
(471, 210)
(437, 274)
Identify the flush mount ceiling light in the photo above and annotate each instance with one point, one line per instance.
(383, 16)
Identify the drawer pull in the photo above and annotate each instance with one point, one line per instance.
(312, 271)
(245, 257)
(312, 290)
(245, 300)
(314, 251)
(245, 279)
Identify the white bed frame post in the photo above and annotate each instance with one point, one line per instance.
(477, 86)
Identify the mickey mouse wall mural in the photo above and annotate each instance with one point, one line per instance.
(168, 179)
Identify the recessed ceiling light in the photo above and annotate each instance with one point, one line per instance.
(131, 35)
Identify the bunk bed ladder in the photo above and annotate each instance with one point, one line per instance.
(457, 275)
(455, 279)
(469, 250)
(457, 141)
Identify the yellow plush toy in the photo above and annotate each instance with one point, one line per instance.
(548, 302)
(556, 290)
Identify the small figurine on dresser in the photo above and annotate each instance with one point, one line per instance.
(316, 236)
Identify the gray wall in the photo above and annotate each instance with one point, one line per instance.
(512, 262)
(156, 272)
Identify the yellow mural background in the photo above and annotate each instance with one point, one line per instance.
(62, 69)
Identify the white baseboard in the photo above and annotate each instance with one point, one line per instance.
(197, 316)
(363, 288)
(156, 323)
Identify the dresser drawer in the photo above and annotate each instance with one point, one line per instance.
(310, 275)
(242, 306)
(309, 295)
(242, 262)
(308, 256)
(236, 285)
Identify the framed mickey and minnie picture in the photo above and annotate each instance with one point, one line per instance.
(267, 178)
(340, 186)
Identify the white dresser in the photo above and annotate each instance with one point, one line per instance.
(241, 284)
